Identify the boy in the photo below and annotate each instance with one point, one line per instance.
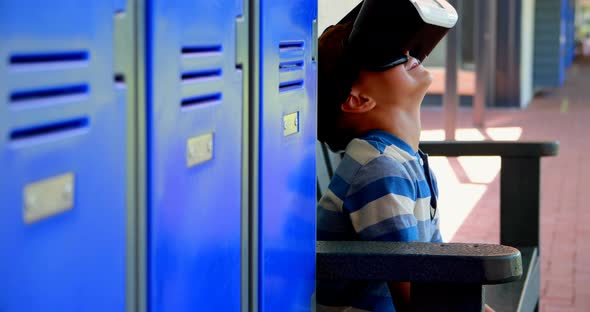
(383, 189)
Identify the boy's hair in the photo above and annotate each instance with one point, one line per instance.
(337, 73)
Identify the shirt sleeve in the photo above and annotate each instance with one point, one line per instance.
(381, 200)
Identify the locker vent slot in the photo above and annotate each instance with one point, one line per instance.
(291, 66)
(197, 51)
(290, 85)
(196, 76)
(288, 46)
(201, 100)
(60, 127)
(56, 94)
(201, 86)
(44, 58)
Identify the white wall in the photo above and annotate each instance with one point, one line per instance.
(331, 11)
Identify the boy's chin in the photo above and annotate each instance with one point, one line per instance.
(425, 80)
(422, 75)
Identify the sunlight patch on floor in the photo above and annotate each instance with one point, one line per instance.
(464, 180)
(504, 133)
(480, 170)
(456, 199)
(474, 134)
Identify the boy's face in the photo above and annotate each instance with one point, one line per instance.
(405, 84)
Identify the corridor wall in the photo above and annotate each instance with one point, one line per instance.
(552, 52)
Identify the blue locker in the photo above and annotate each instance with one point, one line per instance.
(570, 33)
(286, 254)
(563, 40)
(62, 158)
(194, 108)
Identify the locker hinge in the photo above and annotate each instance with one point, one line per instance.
(241, 41)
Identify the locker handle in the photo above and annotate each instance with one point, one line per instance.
(314, 40)
(241, 42)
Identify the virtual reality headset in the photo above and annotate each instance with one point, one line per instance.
(385, 29)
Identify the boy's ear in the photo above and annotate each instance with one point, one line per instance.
(358, 103)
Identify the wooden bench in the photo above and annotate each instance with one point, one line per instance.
(439, 272)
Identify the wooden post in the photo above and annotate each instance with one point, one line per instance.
(451, 96)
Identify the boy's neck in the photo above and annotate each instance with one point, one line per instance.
(405, 125)
(403, 121)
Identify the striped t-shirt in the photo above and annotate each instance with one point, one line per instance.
(382, 190)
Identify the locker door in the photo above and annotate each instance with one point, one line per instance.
(287, 212)
(194, 155)
(62, 157)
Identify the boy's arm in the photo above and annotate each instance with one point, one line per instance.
(382, 209)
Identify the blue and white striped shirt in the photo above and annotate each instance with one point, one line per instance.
(381, 191)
